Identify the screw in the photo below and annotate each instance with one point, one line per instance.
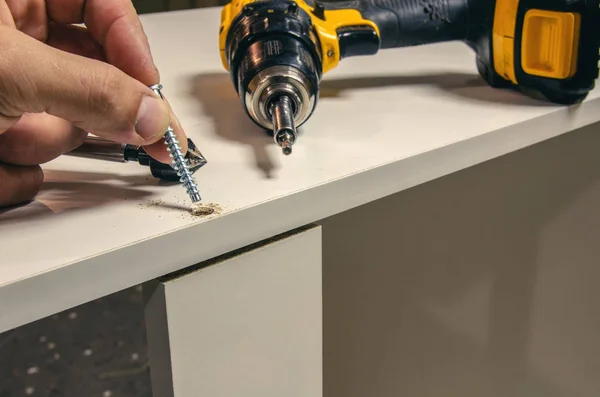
(180, 163)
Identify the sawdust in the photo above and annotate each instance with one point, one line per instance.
(152, 203)
(183, 208)
(205, 209)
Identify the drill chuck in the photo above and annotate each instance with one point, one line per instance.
(275, 63)
(280, 99)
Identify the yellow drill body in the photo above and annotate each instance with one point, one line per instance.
(278, 50)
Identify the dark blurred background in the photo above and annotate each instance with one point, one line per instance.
(146, 6)
(95, 350)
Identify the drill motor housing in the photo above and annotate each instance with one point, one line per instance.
(511, 42)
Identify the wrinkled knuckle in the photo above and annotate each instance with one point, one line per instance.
(13, 90)
(5, 96)
(104, 86)
(5, 106)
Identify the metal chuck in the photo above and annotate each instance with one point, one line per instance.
(284, 130)
(280, 99)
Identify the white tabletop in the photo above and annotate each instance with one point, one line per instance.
(383, 124)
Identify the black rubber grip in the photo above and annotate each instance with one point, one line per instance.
(404, 23)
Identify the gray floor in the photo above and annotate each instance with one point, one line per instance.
(97, 349)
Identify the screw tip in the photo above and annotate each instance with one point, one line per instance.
(195, 197)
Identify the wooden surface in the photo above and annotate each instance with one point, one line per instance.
(383, 124)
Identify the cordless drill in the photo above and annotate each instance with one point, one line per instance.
(278, 50)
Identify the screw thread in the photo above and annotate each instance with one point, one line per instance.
(179, 162)
(181, 165)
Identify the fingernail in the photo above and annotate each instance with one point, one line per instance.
(152, 118)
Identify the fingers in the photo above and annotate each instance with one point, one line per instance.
(93, 95)
(7, 122)
(158, 149)
(19, 184)
(74, 39)
(106, 21)
(115, 25)
(30, 17)
(78, 40)
(39, 138)
(66, 11)
(6, 17)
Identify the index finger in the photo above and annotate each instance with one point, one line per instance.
(115, 25)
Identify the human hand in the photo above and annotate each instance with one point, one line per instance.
(59, 81)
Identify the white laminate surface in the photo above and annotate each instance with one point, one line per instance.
(383, 124)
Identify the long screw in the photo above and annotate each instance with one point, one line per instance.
(180, 163)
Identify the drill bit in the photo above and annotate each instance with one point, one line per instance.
(180, 163)
(284, 130)
(94, 147)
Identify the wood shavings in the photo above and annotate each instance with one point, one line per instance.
(205, 209)
(153, 203)
(185, 210)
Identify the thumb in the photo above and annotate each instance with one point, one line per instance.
(93, 95)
